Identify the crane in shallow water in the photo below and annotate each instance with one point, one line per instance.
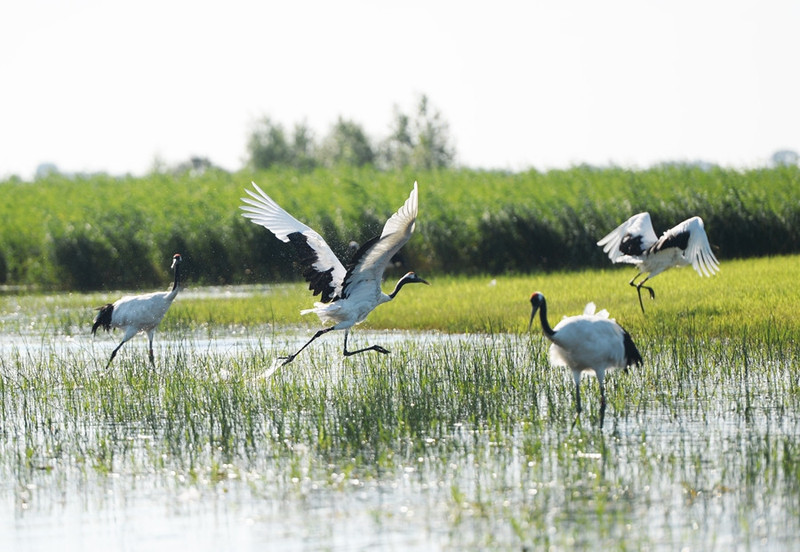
(138, 313)
(590, 342)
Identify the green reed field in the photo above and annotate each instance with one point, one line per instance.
(460, 439)
(103, 232)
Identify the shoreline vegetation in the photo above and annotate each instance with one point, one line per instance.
(756, 297)
(100, 232)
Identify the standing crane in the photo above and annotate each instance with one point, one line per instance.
(138, 313)
(590, 342)
(349, 294)
(635, 242)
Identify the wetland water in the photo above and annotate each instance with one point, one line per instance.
(452, 442)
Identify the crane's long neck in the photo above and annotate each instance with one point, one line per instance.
(176, 284)
(548, 331)
(400, 283)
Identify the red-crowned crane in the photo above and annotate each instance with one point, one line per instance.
(138, 313)
(635, 242)
(590, 342)
(348, 294)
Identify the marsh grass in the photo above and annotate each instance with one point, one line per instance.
(460, 438)
(101, 232)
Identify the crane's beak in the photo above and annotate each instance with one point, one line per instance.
(533, 314)
(412, 278)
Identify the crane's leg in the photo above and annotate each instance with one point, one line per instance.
(129, 333)
(150, 339)
(602, 401)
(113, 354)
(639, 287)
(288, 359)
(577, 377)
(377, 348)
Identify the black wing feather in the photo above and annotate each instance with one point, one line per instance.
(632, 355)
(631, 245)
(320, 283)
(679, 240)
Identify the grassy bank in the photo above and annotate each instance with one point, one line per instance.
(750, 296)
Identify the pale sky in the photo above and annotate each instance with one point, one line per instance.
(93, 85)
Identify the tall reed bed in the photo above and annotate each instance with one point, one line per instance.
(102, 232)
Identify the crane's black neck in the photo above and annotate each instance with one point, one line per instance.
(176, 283)
(398, 286)
(548, 331)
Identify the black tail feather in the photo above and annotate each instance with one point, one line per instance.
(632, 355)
(103, 318)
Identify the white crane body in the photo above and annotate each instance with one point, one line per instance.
(349, 294)
(589, 343)
(138, 313)
(635, 242)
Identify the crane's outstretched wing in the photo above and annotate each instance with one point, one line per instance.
(373, 257)
(690, 236)
(627, 242)
(324, 272)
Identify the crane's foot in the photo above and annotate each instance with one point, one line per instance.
(376, 348)
(639, 291)
(287, 359)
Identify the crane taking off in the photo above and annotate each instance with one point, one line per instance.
(635, 242)
(349, 294)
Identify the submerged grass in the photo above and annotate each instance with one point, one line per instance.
(460, 439)
(471, 433)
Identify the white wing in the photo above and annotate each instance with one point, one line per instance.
(325, 272)
(373, 258)
(591, 310)
(629, 240)
(698, 251)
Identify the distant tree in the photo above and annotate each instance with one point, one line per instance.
(195, 165)
(304, 148)
(346, 144)
(43, 170)
(268, 145)
(398, 149)
(421, 142)
(785, 158)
